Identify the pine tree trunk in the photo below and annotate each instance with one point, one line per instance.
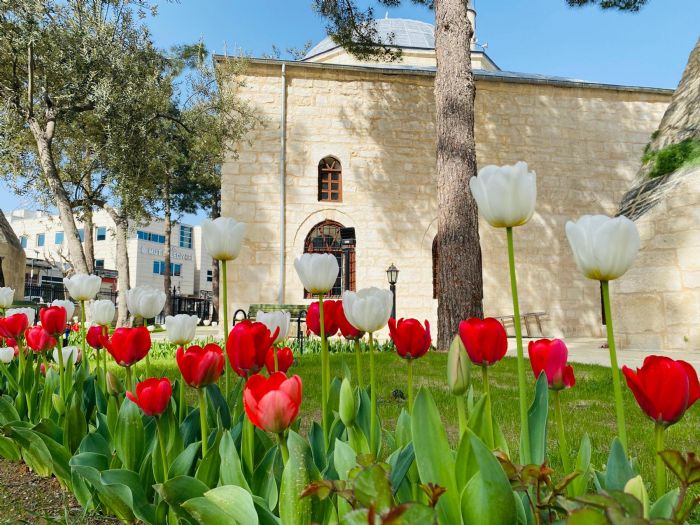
(460, 293)
(89, 243)
(121, 230)
(168, 309)
(214, 213)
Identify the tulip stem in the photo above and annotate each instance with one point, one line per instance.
(129, 384)
(373, 398)
(83, 336)
(283, 447)
(660, 467)
(248, 444)
(488, 410)
(522, 387)
(358, 362)
(61, 381)
(274, 355)
(325, 379)
(227, 373)
(203, 420)
(563, 443)
(461, 414)
(409, 363)
(181, 405)
(163, 451)
(617, 388)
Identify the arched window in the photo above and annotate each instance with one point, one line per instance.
(330, 180)
(325, 237)
(436, 277)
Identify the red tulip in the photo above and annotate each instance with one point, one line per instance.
(75, 327)
(200, 366)
(94, 336)
(664, 388)
(14, 326)
(550, 355)
(346, 329)
(53, 319)
(272, 403)
(247, 347)
(7, 343)
(285, 359)
(128, 345)
(39, 340)
(486, 340)
(411, 339)
(152, 395)
(330, 317)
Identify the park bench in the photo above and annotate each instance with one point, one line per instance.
(297, 314)
(526, 318)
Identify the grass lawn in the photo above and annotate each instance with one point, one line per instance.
(588, 406)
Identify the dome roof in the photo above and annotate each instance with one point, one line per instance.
(406, 33)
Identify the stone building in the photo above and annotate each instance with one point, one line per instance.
(348, 144)
(11, 259)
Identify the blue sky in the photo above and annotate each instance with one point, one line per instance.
(649, 48)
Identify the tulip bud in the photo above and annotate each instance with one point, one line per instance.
(58, 404)
(114, 385)
(347, 405)
(636, 488)
(458, 369)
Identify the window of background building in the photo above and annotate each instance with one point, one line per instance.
(23, 241)
(325, 238)
(148, 236)
(159, 268)
(101, 233)
(81, 234)
(40, 239)
(210, 276)
(330, 180)
(58, 238)
(99, 264)
(185, 236)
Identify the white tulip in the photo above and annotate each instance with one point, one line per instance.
(68, 306)
(102, 312)
(145, 301)
(369, 309)
(69, 352)
(181, 328)
(317, 271)
(505, 195)
(7, 296)
(604, 247)
(82, 287)
(7, 355)
(273, 321)
(223, 237)
(29, 312)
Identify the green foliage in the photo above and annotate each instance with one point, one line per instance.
(620, 5)
(672, 157)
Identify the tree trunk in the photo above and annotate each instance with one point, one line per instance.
(213, 214)
(89, 243)
(168, 310)
(65, 211)
(459, 252)
(121, 231)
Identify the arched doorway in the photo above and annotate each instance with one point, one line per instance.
(325, 237)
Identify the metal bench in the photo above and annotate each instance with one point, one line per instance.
(525, 319)
(297, 314)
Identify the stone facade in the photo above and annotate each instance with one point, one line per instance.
(657, 303)
(11, 259)
(583, 140)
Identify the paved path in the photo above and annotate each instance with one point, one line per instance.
(591, 350)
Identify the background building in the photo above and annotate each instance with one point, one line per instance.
(352, 144)
(41, 235)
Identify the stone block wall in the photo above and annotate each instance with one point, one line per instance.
(583, 142)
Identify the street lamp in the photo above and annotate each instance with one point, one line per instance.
(392, 274)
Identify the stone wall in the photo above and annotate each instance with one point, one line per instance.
(657, 303)
(583, 142)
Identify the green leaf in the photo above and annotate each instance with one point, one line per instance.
(488, 497)
(402, 434)
(129, 437)
(222, 506)
(295, 510)
(663, 507)
(372, 488)
(142, 508)
(318, 446)
(34, 451)
(264, 483)
(8, 412)
(618, 471)
(537, 421)
(231, 472)
(344, 459)
(178, 490)
(587, 517)
(74, 425)
(183, 463)
(8, 449)
(219, 407)
(403, 462)
(583, 465)
(60, 458)
(209, 467)
(434, 457)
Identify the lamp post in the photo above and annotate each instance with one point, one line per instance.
(392, 274)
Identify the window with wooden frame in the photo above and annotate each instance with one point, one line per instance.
(325, 238)
(330, 180)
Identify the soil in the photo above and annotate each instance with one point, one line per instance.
(26, 498)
